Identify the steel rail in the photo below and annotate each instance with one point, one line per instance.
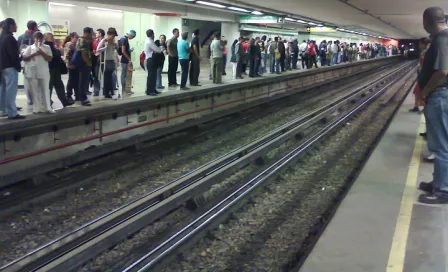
(135, 215)
(235, 199)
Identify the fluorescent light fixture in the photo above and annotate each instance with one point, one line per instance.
(380, 37)
(257, 12)
(238, 9)
(311, 23)
(105, 9)
(61, 4)
(319, 25)
(341, 29)
(290, 19)
(302, 22)
(210, 4)
(412, 49)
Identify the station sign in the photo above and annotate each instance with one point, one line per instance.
(260, 19)
(322, 30)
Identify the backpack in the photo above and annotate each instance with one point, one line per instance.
(142, 60)
(277, 54)
(120, 44)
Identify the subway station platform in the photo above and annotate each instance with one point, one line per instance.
(380, 226)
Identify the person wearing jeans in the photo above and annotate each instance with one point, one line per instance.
(9, 67)
(126, 57)
(433, 80)
(184, 59)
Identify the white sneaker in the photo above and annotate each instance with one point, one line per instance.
(115, 97)
(50, 111)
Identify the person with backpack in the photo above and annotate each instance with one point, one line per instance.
(312, 54)
(125, 50)
(323, 53)
(23, 42)
(82, 61)
(275, 56)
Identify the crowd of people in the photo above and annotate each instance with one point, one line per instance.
(93, 58)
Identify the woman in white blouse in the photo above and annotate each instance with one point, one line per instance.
(37, 73)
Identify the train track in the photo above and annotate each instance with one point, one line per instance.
(80, 245)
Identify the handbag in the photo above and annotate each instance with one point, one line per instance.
(63, 68)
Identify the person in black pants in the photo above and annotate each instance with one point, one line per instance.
(152, 63)
(55, 72)
(282, 50)
(184, 59)
(173, 58)
(194, 67)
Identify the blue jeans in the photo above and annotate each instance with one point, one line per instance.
(124, 70)
(436, 113)
(334, 58)
(159, 77)
(275, 64)
(262, 69)
(184, 66)
(8, 92)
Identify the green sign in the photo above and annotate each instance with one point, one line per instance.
(259, 19)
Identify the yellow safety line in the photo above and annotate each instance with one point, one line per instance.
(398, 249)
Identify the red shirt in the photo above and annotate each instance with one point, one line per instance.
(95, 45)
(245, 46)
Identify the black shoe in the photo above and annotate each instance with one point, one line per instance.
(184, 88)
(19, 108)
(17, 117)
(423, 134)
(69, 103)
(108, 96)
(433, 199)
(196, 85)
(426, 186)
(240, 77)
(157, 92)
(151, 94)
(414, 109)
(86, 103)
(224, 74)
(89, 93)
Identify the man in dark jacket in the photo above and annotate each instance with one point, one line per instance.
(282, 50)
(55, 71)
(9, 67)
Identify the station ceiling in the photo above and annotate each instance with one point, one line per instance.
(404, 16)
(398, 19)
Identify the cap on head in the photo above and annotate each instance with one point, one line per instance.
(31, 25)
(132, 33)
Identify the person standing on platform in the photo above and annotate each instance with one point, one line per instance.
(161, 63)
(312, 54)
(106, 51)
(240, 54)
(433, 80)
(151, 63)
(173, 58)
(323, 53)
(195, 59)
(275, 56)
(304, 53)
(184, 51)
(216, 48)
(282, 49)
(99, 68)
(37, 73)
(334, 53)
(23, 42)
(225, 54)
(125, 51)
(56, 65)
(9, 68)
(233, 58)
(263, 48)
(73, 77)
(84, 51)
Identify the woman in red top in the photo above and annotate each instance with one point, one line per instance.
(312, 53)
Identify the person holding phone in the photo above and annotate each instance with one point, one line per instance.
(37, 73)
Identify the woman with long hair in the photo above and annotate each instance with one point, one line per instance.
(162, 40)
(233, 59)
(107, 48)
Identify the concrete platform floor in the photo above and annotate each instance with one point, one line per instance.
(139, 79)
(380, 226)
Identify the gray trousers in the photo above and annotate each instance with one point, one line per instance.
(216, 64)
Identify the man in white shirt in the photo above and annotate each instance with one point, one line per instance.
(37, 73)
(151, 49)
(334, 52)
(303, 54)
(216, 58)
